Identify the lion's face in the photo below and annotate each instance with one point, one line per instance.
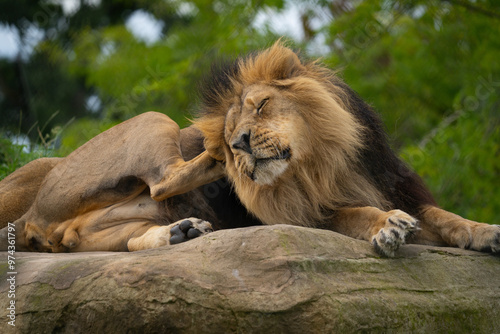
(259, 134)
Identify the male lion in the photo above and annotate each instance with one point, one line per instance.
(296, 143)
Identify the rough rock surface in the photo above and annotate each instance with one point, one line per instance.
(267, 279)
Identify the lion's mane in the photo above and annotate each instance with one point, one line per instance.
(352, 165)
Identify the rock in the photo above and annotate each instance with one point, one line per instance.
(265, 279)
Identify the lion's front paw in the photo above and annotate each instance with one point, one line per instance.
(188, 229)
(398, 226)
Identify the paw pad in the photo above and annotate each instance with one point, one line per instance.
(189, 229)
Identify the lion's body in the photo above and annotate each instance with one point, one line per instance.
(296, 143)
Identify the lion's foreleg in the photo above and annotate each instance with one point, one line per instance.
(385, 230)
(440, 227)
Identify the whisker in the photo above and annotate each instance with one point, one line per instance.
(279, 147)
(273, 146)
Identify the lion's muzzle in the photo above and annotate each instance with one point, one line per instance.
(261, 157)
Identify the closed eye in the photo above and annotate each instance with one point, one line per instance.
(262, 105)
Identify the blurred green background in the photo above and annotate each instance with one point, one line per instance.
(71, 69)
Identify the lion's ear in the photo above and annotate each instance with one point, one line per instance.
(276, 63)
(291, 66)
(282, 61)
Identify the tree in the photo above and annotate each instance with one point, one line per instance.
(38, 91)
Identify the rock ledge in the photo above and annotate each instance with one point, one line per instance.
(266, 279)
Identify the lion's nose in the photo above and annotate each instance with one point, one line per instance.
(243, 143)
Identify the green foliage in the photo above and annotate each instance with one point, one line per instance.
(13, 156)
(460, 163)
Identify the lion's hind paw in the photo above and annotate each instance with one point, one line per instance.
(495, 244)
(398, 227)
(486, 238)
(188, 229)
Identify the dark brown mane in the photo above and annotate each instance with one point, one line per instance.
(400, 185)
(217, 83)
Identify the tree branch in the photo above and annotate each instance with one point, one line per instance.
(473, 8)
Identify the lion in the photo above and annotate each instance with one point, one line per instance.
(297, 145)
